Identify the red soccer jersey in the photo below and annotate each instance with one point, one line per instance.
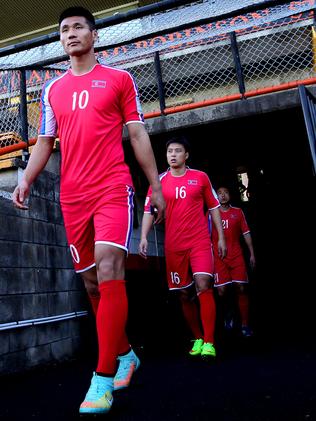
(234, 225)
(186, 197)
(87, 113)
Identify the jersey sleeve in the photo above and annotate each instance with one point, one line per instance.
(210, 197)
(130, 103)
(147, 201)
(48, 123)
(244, 226)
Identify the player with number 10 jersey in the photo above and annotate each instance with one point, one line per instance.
(87, 113)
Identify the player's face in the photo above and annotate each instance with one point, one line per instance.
(223, 195)
(176, 155)
(76, 37)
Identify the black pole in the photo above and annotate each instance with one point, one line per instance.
(307, 106)
(23, 113)
(161, 91)
(238, 66)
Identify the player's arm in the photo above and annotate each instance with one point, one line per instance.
(217, 220)
(147, 223)
(144, 154)
(248, 241)
(211, 200)
(39, 157)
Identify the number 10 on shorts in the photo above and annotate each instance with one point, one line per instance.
(175, 278)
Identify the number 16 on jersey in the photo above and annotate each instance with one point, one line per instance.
(175, 278)
(181, 192)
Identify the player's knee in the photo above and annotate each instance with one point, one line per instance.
(203, 283)
(240, 288)
(221, 291)
(90, 281)
(203, 287)
(184, 295)
(91, 286)
(105, 268)
(110, 268)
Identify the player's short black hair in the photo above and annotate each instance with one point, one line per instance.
(181, 140)
(78, 11)
(222, 186)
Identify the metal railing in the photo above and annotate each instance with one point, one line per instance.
(217, 61)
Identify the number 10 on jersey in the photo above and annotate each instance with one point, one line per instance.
(80, 100)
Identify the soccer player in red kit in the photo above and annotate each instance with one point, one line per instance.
(232, 269)
(188, 251)
(86, 108)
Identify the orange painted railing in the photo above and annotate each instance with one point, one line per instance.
(16, 146)
(179, 108)
(230, 98)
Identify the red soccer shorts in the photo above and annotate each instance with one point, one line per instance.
(229, 270)
(181, 265)
(103, 219)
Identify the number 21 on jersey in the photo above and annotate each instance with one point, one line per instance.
(225, 223)
(181, 192)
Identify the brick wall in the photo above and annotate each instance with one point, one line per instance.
(37, 280)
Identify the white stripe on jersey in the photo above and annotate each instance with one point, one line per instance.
(162, 175)
(48, 124)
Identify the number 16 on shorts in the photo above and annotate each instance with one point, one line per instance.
(175, 278)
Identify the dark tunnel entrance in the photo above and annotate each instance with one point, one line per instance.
(272, 152)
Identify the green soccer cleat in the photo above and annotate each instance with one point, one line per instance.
(99, 397)
(197, 347)
(208, 350)
(128, 364)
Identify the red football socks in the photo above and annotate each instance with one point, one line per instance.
(111, 320)
(124, 347)
(208, 314)
(94, 301)
(192, 317)
(243, 304)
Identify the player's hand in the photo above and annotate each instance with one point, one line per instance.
(158, 202)
(222, 249)
(142, 248)
(20, 194)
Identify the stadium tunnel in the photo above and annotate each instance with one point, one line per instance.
(270, 151)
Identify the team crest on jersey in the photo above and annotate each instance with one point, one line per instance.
(98, 84)
(192, 182)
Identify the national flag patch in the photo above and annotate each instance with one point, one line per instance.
(192, 182)
(98, 84)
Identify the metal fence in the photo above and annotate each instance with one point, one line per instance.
(189, 66)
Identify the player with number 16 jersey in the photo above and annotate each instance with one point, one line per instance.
(189, 259)
(186, 197)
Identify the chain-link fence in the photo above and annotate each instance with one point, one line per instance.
(191, 64)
